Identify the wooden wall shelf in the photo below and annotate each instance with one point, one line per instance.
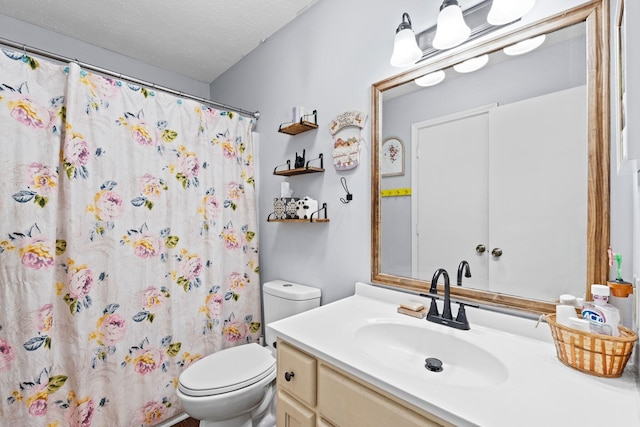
(299, 220)
(315, 216)
(296, 128)
(301, 126)
(300, 171)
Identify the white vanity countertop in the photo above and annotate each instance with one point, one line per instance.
(539, 390)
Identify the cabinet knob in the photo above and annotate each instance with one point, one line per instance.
(288, 376)
(481, 248)
(496, 252)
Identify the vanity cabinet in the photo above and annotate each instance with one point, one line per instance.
(312, 392)
(297, 373)
(296, 387)
(291, 413)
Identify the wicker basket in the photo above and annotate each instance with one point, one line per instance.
(595, 354)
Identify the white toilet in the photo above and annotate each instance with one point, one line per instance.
(243, 394)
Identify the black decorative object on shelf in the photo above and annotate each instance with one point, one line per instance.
(299, 160)
(285, 208)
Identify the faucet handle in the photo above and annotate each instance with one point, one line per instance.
(468, 304)
(433, 308)
(462, 314)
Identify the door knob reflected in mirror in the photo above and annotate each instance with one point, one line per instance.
(480, 249)
(496, 252)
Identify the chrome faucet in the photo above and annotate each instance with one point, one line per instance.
(460, 322)
(464, 265)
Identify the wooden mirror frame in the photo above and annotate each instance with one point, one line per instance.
(595, 15)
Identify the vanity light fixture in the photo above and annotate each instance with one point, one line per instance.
(430, 79)
(452, 30)
(405, 47)
(506, 11)
(471, 65)
(454, 26)
(524, 46)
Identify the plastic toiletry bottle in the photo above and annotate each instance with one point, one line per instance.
(600, 311)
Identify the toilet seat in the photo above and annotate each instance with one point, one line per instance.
(227, 370)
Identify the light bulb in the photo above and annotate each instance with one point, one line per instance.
(524, 46)
(451, 29)
(405, 49)
(471, 65)
(431, 79)
(505, 11)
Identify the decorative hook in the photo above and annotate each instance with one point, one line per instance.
(349, 198)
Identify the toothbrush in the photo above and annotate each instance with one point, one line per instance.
(618, 258)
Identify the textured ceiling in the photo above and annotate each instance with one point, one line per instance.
(199, 39)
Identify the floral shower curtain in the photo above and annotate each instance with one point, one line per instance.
(127, 244)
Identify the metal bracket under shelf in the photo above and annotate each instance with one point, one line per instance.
(317, 218)
(299, 171)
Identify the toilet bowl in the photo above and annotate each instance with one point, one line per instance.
(235, 387)
(231, 388)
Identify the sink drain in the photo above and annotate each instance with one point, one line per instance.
(433, 364)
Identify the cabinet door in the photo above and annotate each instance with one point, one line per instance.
(291, 413)
(538, 195)
(300, 369)
(451, 198)
(518, 184)
(346, 403)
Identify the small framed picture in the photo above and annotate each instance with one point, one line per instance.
(392, 157)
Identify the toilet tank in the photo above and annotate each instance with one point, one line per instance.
(283, 299)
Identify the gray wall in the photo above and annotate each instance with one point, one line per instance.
(326, 59)
(30, 35)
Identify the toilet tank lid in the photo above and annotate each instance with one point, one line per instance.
(290, 290)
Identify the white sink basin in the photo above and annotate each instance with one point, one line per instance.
(404, 348)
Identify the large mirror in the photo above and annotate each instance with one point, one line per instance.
(506, 167)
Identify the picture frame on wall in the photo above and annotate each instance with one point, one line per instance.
(620, 89)
(392, 157)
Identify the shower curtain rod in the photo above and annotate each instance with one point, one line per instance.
(56, 57)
